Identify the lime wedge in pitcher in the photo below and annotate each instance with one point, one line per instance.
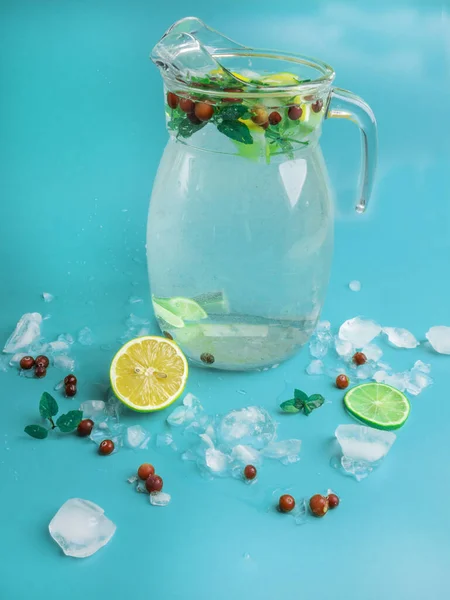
(378, 405)
(177, 310)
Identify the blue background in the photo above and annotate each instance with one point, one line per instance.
(81, 133)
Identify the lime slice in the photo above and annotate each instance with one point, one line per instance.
(167, 315)
(180, 309)
(148, 373)
(378, 405)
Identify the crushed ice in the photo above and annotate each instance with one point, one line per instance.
(221, 445)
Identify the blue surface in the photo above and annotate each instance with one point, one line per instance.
(81, 133)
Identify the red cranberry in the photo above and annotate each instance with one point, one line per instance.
(333, 501)
(274, 118)
(154, 483)
(250, 472)
(40, 372)
(187, 105)
(106, 447)
(231, 90)
(203, 111)
(317, 106)
(70, 379)
(286, 503)
(85, 427)
(26, 362)
(42, 361)
(295, 112)
(172, 99)
(342, 381)
(71, 390)
(359, 358)
(318, 505)
(145, 470)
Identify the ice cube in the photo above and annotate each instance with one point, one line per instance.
(300, 512)
(320, 340)
(359, 331)
(217, 462)
(419, 378)
(362, 448)
(355, 285)
(59, 385)
(27, 331)
(47, 297)
(245, 455)
(373, 352)
(66, 337)
(62, 361)
(113, 406)
(400, 338)
(439, 338)
(165, 439)
(365, 371)
(187, 413)
(109, 429)
(251, 426)
(315, 367)
(344, 348)
(81, 528)
(92, 409)
(58, 346)
(397, 380)
(287, 451)
(85, 337)
(137, 437)
(159, 499)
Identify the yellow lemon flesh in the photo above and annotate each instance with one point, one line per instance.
(148, 373)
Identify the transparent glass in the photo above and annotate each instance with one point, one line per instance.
(240, 228)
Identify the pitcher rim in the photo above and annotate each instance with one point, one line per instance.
(326, 77)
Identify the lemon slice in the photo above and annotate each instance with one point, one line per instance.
(279, 79)
(148, 373)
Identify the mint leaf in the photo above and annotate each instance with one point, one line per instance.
(69, 422)
(48, 407)
(313, 402)
(289, 406)
(234, 112)
(186, 128)
(36, 431)
(236, 131)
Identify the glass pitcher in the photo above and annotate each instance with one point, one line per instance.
(240, 227)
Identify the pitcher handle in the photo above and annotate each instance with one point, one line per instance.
(345, 105)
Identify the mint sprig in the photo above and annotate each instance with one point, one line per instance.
(48, 408)
(301, 402)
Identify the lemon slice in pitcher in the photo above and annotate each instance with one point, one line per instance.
(148, 373)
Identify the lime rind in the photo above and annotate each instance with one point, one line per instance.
(166, 315)
(378, 405)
